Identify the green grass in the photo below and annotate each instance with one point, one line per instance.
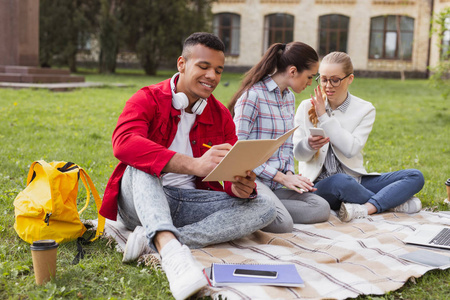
(412, 130)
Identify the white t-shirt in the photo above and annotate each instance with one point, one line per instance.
(181, 144)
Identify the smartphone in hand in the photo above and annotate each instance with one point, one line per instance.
(317, 131)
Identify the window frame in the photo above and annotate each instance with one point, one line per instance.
(329, 30)
(444, 54)
(386, 32)
(270, 31)
(232, 49)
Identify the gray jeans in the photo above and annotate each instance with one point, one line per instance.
(197, 217)
(293, 207)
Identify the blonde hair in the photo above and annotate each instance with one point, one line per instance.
(336, 57)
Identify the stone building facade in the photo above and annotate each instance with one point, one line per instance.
(381, 36)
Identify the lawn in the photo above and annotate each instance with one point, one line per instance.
(412, 130)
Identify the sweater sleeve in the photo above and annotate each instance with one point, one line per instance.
(302, 150)
(349, 143)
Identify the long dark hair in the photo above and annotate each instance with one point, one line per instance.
(276, 59)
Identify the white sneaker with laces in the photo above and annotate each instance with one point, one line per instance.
(185, 275)
(413, 205)
(137, 244)
(350, 211)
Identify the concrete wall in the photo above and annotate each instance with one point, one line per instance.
(19, 32)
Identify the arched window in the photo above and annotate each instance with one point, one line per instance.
(227, 27)
(278, 28)
(333, 33)
(391, 37)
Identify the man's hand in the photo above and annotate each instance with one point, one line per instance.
(243, 186)
(200, 166)
(210, 159)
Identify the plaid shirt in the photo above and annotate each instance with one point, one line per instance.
(263, 112)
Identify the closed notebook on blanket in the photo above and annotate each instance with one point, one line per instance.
(261, 274)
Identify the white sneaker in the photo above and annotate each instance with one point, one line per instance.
(137, 244)
(184, 273)
(413, 205)
(350, 211)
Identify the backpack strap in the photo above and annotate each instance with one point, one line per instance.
(89, 185)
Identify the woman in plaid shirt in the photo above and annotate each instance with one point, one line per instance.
(264, 108)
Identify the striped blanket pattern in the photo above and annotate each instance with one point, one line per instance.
(336, 260)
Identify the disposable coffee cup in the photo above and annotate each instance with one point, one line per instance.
(447, 184)
(43, 253)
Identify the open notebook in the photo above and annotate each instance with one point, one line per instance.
(246, 155)
(436, 236)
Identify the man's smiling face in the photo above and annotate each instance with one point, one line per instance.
(200, 72)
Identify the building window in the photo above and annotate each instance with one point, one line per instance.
(279, 28)
(227, 27)
(333, 34)
(445, 47)
(391, 37)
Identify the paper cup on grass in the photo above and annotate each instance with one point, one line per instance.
(447, 185)
(43, 253)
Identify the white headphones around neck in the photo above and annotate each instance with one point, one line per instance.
(181, 101)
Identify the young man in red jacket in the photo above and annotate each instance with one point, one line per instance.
(157, 189)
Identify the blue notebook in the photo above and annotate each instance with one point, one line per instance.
(277, 275)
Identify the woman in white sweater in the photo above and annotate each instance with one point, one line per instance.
(334, 162)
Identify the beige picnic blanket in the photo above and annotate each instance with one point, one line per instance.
(336, 260)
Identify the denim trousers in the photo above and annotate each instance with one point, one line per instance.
(294, 208)
(198, 218)
(384, 191)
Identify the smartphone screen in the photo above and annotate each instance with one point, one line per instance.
(255, 273)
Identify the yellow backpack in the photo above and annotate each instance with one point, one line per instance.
(47, 207)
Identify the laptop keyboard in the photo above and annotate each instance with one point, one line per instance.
(443, 238)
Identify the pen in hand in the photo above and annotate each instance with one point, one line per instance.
(207, 146)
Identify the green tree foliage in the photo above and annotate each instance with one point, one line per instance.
(155, 30)
(64, 26)
(109, 33)
(441, 72)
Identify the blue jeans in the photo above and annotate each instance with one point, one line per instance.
(384, 191)
(196, 217)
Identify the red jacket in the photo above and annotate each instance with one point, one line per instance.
(147, 127)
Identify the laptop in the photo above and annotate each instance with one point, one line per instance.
(437, 236)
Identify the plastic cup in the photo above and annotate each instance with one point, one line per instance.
(43, 253)
(447, 184)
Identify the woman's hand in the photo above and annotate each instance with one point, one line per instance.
(295, 182)
(317, 141)
(318, 102)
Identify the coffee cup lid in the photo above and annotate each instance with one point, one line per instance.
(447, 182)
(44, 245)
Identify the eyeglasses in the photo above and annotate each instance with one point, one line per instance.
(334, 81)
